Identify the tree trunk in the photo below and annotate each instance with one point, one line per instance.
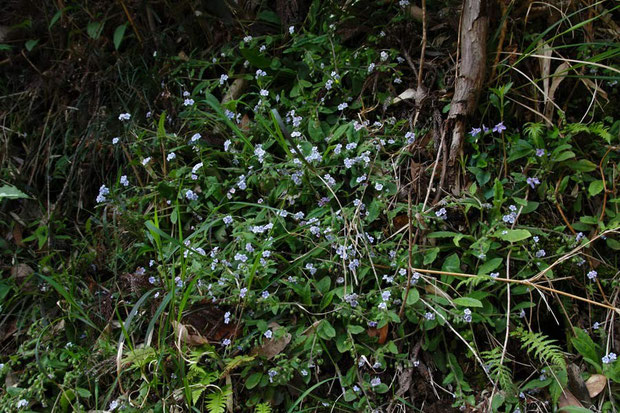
(469, 80)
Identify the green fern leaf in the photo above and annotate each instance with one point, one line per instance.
(216, 401)
(543, 348)
(263, 408)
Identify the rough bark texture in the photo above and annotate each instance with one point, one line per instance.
(471, 71)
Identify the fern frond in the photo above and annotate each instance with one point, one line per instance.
(534, 130)
(543, 348)
(216, 401)
(263, 408)
(498, 370)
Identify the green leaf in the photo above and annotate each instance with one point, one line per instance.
(585, 346)
(613, 244)
(10, 192)
(94, 29)
(119, 33)
(83, 392)
(452, 264)
(574, 409)
(253, 380)
(55, 18)
(489, 266)
(30, 44)
(595, 187)
(513, 235)
(468, 302)
(430, 255)
(326, 331)
(413, 296)
(355, 329)
(582, 165)
(564, 156)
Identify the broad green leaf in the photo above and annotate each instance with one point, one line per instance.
(10, 192)
(595, 187)
(430, 255)
(326, 331)
(253, 380)
(413, 296)
(513, 235)
(355, 329)
(468, 302)
(119, 34)
(489, 266)
(583, 165)
(30, 44)
(94, 29)
(452, 264)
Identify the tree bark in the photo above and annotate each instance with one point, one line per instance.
(470, 73)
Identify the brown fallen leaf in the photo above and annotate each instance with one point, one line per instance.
(273, 346)
(183, 335)
(378, 332)
(567, 399)
(596, 384)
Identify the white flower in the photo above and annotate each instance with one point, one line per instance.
(227, 144)
(188, 102)
(124, 180)
(384, 56)
(398, 81)
(171, 156)
(124, 116)
(260, 73)
(146, 160)
(228, 220)
(264, 92)
(113, 405)
(343, 106)
(378, 186)
(223, 78)
(262, 48)
(22, 403)
(195, 137)
(247, 39)
(592, 275)
(371, 67)
(268, 334)
(291, 29)
(115, 140)
(375, 382)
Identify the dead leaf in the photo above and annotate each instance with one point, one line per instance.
(235, 90)
(407, 94)
(558, 76)
(400, 221)
(567, 399)
(17, 235)
(273, 346)
(378, 332)
(245, 123)
(21, 271)
(433, 289)
(182, 334)
(596, 384)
